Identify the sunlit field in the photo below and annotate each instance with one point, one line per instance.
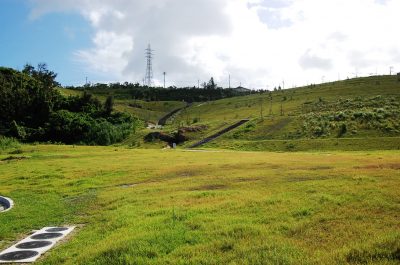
(217, 207)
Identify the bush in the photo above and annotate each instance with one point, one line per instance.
(342, 130)
(8, 143)
(31, 109)
(69, 127)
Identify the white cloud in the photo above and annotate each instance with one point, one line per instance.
(109, 54)
(258, 42)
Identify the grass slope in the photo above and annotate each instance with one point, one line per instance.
(352, 109)
(355, 114)
(147, 111)
(177, 207)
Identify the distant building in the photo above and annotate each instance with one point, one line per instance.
(241, 89)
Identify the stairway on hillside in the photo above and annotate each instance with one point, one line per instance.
(212, 137)
(164, 119)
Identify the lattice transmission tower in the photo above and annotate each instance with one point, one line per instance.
(149, 69)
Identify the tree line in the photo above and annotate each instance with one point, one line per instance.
(209, 91)
(32, 109)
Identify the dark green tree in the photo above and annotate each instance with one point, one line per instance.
(109, 105)
(211, 84)
(42, 74)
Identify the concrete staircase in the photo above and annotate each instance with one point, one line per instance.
(164, 119)
(218, 134)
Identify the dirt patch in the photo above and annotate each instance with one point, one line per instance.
(321, 168)
(247, 179)
(159, 136)
(11, 158)
(209, 187)
(304, 178)
(395, 166)
(170, 139)
(277, 126)
(191, 129)
(187, 173)
(368, 167)
(125, 186)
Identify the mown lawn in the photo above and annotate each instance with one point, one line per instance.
(180, 207)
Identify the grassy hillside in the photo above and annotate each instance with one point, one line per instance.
(356, 108)
(147, 111)
(344, 115)
(177, 207)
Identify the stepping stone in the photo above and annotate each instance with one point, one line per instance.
(32, 247)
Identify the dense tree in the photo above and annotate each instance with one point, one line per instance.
(211, 84)
(45, 76)
(126, 90)
(109, 105)
(31, 109)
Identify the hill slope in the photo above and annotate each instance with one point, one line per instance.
(350, 112)
(357, 109)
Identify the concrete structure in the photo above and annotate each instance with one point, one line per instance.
(5, 204)
(32, 247)
(241, 89)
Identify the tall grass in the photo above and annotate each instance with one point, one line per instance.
(8, 143)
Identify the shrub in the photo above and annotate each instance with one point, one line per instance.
(342, 130)
(8, 143)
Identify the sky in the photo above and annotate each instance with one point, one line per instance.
(260, 44)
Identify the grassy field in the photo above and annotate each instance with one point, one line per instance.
(219, 207)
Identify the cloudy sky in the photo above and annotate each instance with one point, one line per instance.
(259, 43)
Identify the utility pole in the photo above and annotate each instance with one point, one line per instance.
(198, 83)
(229, 81)
(86, 81)
(391, 69)
(270, 104)
(356, 73)
(164, 78)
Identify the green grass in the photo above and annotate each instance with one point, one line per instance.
(351, 109)
(8, 143)
(180, 207)
(150, 111)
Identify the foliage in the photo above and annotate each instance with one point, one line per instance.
(42, 74)
(109, 105)
(210, 91)
(31, 109)
(352, 115)
(8, 143)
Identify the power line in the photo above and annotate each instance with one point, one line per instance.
(148, 80)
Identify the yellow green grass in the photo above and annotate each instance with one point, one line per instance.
(219, 207)
(299, 114)
(150, 111)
